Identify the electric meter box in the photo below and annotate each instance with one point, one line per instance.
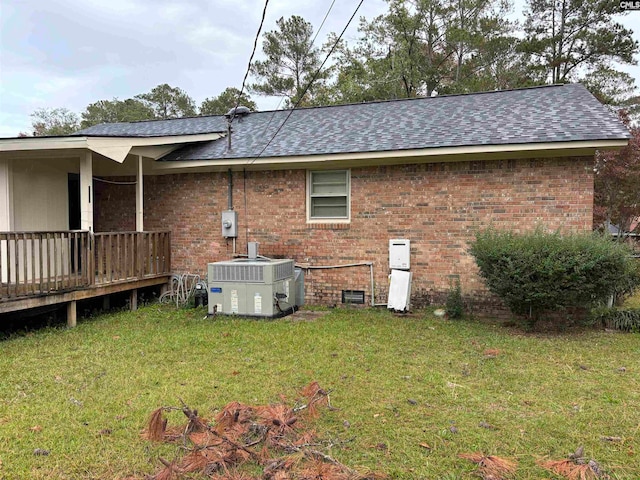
(229, 224)
(399, 254)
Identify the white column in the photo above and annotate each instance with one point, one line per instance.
(139, 197)
(86, 191)
(6, 213)
(5, 196)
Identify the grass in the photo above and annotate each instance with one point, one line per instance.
(633, 301)
(85, 394)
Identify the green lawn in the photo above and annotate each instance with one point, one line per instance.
(633, 301)
(85, 394)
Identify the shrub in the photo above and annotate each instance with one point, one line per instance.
(454, 306)
(626, 319)
(540, 271)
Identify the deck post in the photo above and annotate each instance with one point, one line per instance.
(139, 197)
(133, 300)
(86, 191)
(71, 314)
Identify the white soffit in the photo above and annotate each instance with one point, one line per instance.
(114, 148)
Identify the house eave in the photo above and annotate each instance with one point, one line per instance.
(428, 155)
(114, 148)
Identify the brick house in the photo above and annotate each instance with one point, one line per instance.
(329, 186)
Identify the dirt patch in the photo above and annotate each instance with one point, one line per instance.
(307, 315)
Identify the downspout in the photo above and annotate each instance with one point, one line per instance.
(230, 192)
(230, 197)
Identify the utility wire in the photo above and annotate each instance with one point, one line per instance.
(322, 24)
(326, 15)
(253, 52)
(315, 75)
(112, 182)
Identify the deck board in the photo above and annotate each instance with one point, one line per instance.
(25, 302)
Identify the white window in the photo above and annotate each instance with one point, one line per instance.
(328, 195)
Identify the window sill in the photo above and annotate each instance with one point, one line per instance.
(328, 225)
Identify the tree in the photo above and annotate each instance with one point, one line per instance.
(226, 101)
(423, 47)
(411, 42)
(617, 180)
(168, 102)
(615, 89)
(565, 36)
(110, 111)
(291, 63)
(479, 36)
(54, 122)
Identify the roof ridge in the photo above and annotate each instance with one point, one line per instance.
(373, 102)
(447, 95)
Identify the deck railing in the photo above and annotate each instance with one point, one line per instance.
(129, 255)
(38, 263)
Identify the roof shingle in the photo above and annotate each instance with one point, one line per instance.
(558, 113)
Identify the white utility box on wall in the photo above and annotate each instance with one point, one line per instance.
(399, 291)
(399, 254)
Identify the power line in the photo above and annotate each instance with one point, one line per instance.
(253, 52)
(326, 15)
(315, 75)
(322, 24)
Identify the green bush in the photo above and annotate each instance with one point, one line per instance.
(454, 306)
(540, 271)
(626, 319)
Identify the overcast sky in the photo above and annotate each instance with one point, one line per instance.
(70, 53)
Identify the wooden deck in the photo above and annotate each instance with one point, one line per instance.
(46, 268)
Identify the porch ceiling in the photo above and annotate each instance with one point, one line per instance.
(113, 148)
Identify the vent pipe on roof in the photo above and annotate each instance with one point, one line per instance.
(239, 112)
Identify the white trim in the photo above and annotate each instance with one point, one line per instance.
(86, 191)
(6, 196)
(139, 196)
(318, 220)
(115, 148)
(529, 150)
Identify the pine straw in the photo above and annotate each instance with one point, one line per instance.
(575, 471)
(242, 438)
(156, 426)
(491, 467)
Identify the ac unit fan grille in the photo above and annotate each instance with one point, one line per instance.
(283, 270)
(238, 273)
(252, 273)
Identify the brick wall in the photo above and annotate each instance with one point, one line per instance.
(436, 206)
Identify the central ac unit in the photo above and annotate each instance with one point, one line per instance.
(253, 287)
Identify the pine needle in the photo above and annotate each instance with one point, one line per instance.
(573, 471)
(315, 396)
(244, 437)
(156, 426)
(194, 462)
(491, 467)
(169, 472)
(319, 470)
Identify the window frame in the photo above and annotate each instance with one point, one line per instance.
(310, 195)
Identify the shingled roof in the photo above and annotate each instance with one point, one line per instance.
(157, 128)
(550, 114)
